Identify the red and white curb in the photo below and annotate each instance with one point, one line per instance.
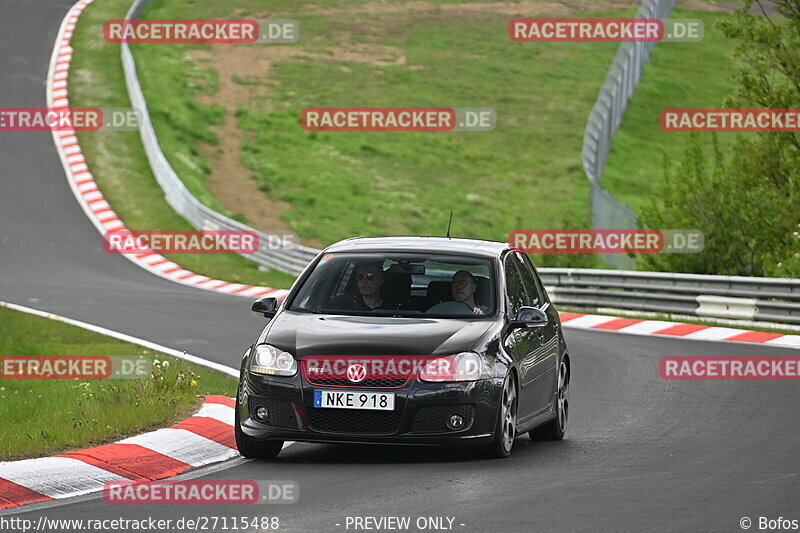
(676, 329)
(90, 197)
(205, 438)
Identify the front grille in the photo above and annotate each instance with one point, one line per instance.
(281, 412)
(433, 419)
(387, 383)
(353, 421)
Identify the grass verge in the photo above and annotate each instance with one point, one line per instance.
(43, 417)
(117, 159)
(679, 75)
(524, 174)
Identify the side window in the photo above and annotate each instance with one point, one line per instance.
(530, 281)
(539, 284)
(514, 286)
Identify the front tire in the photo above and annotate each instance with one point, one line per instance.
(555, 428)
(254, 448)
(506, 426)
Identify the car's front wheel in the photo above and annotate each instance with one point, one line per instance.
(254, 448)
(506, 426)
(555, 428)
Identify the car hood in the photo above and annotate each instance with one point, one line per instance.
(306, 334)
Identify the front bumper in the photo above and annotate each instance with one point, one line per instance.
(419, 416)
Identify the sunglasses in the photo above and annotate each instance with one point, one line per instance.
(368, 276)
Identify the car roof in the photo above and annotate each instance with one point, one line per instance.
(471, 247)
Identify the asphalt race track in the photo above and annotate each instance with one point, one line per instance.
(640, 452)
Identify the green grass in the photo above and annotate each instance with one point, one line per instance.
(679, 75)
(117, 159)
(524, 174)
(44, 417)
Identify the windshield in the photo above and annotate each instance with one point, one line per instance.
(399, 285)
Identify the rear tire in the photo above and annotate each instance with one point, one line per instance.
(555, 428)
(254, 448)
(506, 426)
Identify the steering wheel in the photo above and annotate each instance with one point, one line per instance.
(450, 308)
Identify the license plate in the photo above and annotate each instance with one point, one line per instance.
(376, 401)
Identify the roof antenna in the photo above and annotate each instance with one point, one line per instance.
(449, 224)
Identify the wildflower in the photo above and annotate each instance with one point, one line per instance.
(193, 383)
(165, 364)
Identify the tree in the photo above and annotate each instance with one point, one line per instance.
(748, 205)
(746, 218)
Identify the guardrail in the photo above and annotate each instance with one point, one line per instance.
(274, 253)
(604, 120)
(772, 300)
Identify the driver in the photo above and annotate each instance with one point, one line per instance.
(369, 278)
(462, 288)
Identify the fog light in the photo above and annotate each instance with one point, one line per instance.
(261, 413)
(455, 422)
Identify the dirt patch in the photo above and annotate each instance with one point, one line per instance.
(698, 5)
(768, 8)
(229, 180)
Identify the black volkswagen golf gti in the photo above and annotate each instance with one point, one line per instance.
(407, 340)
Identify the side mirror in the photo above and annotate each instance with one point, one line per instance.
(529, 317)
(265, 307)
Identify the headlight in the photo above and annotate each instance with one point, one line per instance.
(272, 361)
(465, 366)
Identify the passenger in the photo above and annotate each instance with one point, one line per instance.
(463, 287)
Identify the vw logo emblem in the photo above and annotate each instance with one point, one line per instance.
(356, 372)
